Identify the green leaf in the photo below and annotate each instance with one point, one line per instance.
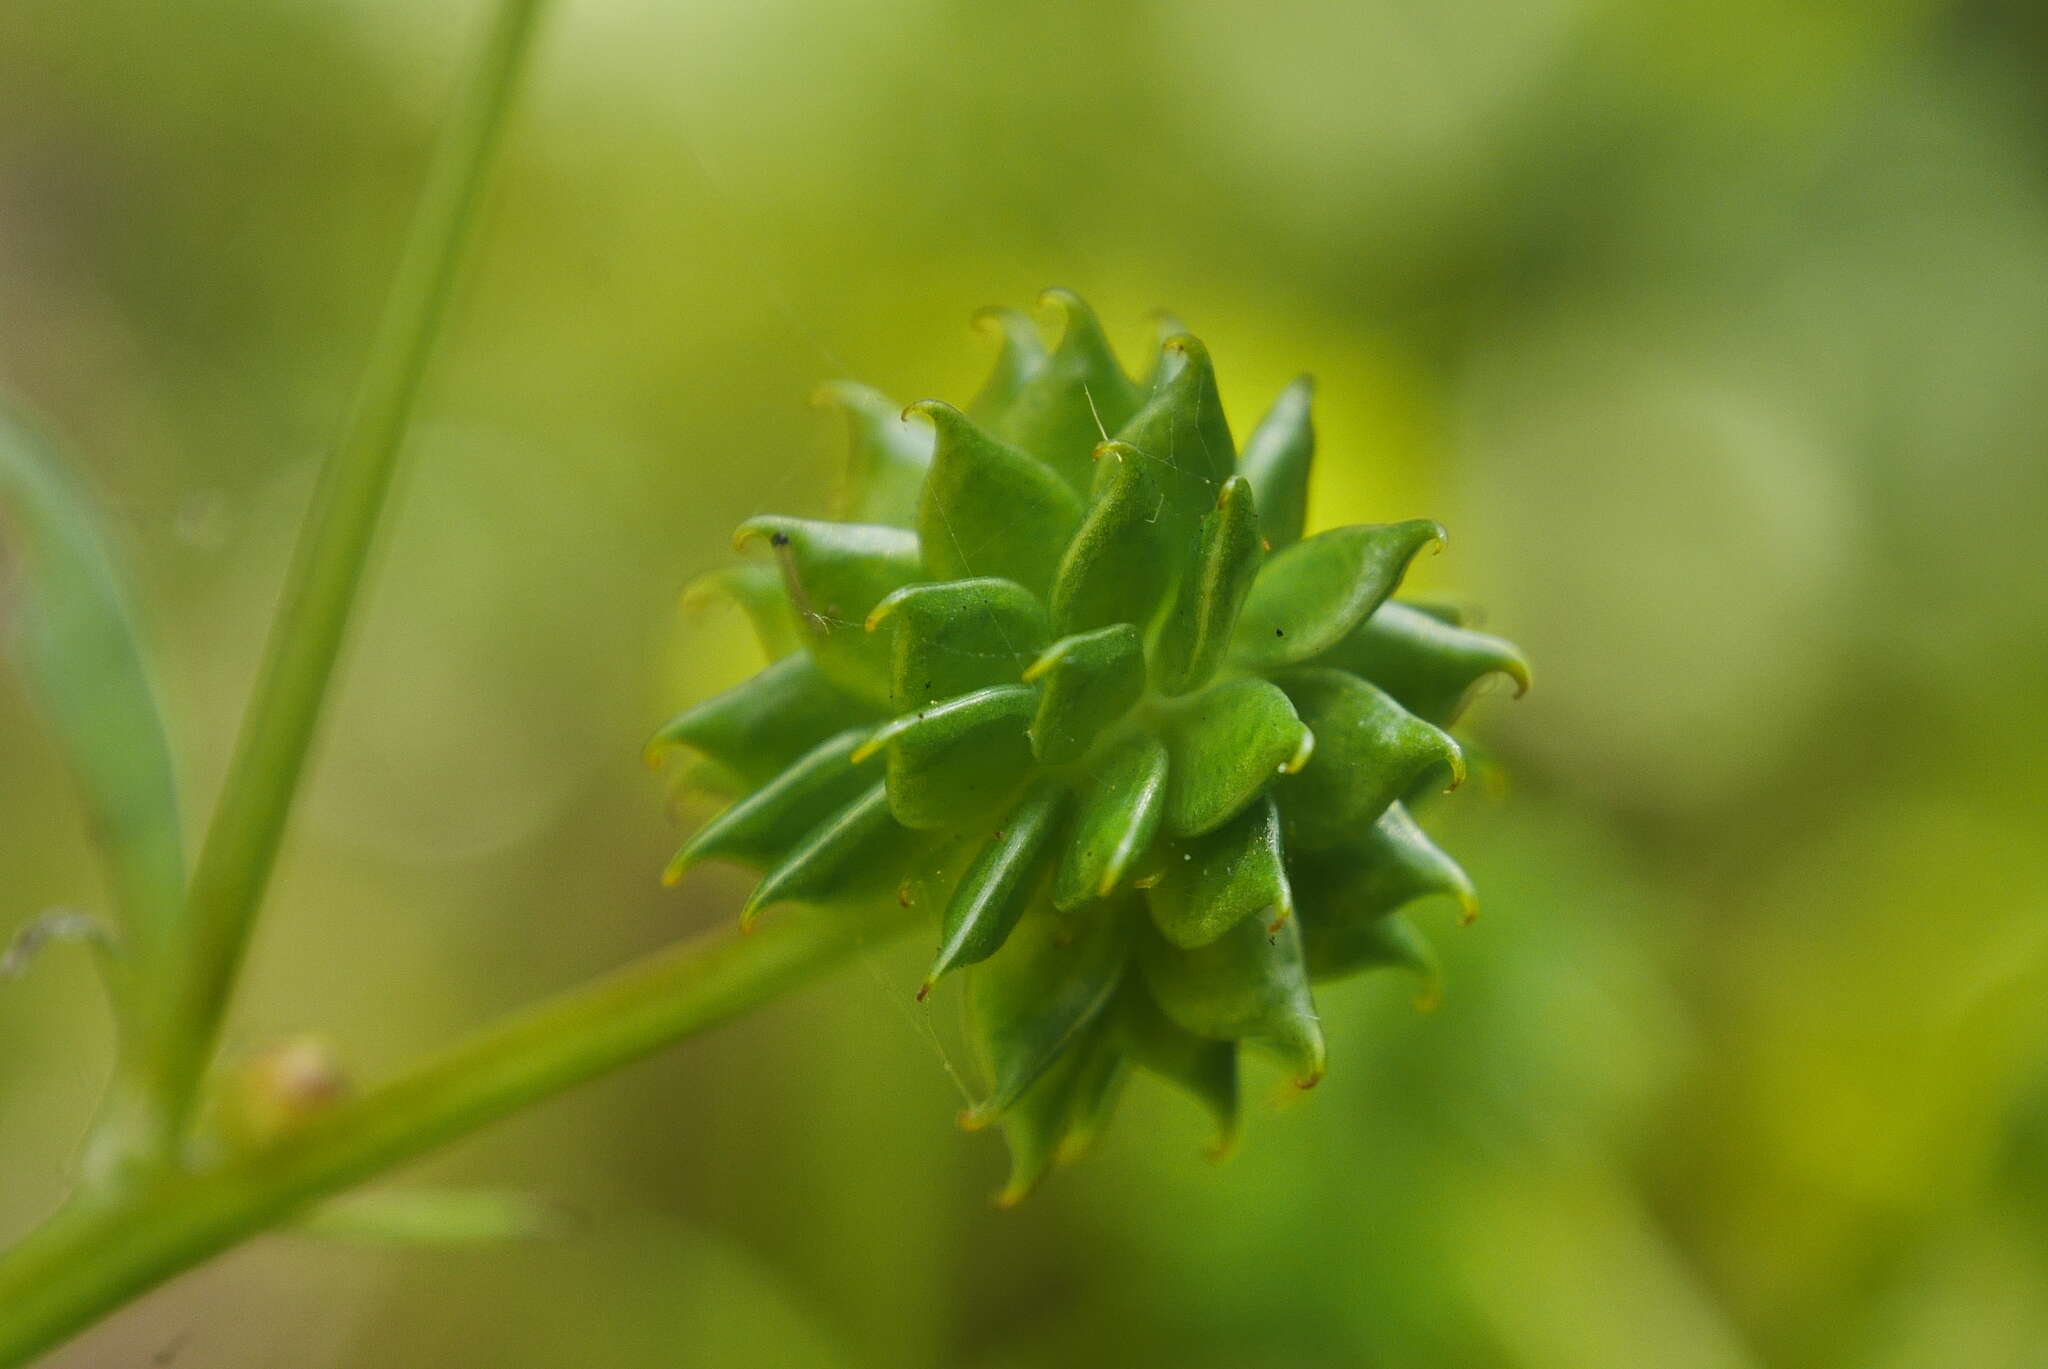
(1370, 751)
(1213, 882)
(1118, 812)
(1166, 361)
(1197, 634)
(886, 455)
(957, 636)
(1115, 570)
(959, 761)
(77, 644)
(757, 589)
(1339, 951)
(1022, 356)
(997, 887)
(1100, 1066)
(1059, 1116)
(760, 725)
(1073, 403)
(1026, 1006)
(761, 828)
(990, 509)
(1363, 880)
(1228, 744)
(1034, 1128)
(1452, 614)
(1429, 666)
(1249, 983)
(934, 869)
(1183, 436)
(835, 573)
(1206, 1070)
(1085, 682)
(854, 853)
(1276, 459)
(1310, 595)
(702, 775)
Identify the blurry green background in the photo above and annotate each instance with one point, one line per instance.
(1716, 331)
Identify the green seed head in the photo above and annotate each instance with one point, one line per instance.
(1067, 672)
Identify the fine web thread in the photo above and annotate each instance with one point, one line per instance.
(778, 296)
(920, 1021)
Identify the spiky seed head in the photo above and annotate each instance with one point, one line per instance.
(1066, 670)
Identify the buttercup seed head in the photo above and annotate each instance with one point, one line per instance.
(1067, 671)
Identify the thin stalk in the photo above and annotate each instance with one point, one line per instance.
(92, 1258)
(241, 845)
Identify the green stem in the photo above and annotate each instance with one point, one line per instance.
(91, 1258)
(241, 845)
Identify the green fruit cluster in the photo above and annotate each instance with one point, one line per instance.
(1066, 670)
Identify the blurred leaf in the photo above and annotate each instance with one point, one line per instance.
(1276, 460)
(887, 456)
(1205, 1070)
(757, 589)
(1055, 976)
(1021, 356)
(1337, 950)
(1390, 865)
(1035, 1124)
(1058, 1117)
(76, 639)
(1249, 982)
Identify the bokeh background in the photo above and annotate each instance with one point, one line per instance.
(1716, 331)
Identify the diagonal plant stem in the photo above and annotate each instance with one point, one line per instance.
(93, 1257)
(111, 1244)
(241, 845)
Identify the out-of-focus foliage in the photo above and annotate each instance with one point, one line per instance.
(74, 640)
(1712, 333)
